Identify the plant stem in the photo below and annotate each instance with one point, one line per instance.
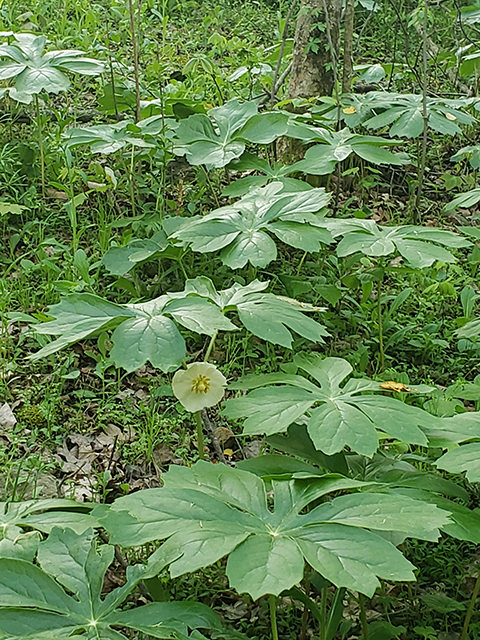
(363, 616)
(300, 264)
(348, 46)
(199, 421)
(423, 159)
(210, 185)
(131, 180)
(471, 608)
(40, 143)
(273, 616)
(135, 59)
(323, 612)
(305, 613)
(211, 345)
(380, 326)
(280, 55)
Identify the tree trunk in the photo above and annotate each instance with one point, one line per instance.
(314, 64)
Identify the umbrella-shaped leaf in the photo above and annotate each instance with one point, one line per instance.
(337, 416)
(321, 159)
(274, 172)
(214, 143)
(36, 71)
(120, 260)
(463, 458)
(241, 229)
(265, 315)
(199, 502)
(141, 331)
(405, 111)
(33, 603)
(413, 243)
(105, 138)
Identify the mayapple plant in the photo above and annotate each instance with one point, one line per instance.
(207, 512)
(342, 509)
(61, 597)
(35, 71)
(148, 331)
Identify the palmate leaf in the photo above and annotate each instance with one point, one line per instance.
(220, 137)
(106, 138)
(443, 116)
(36, 71)
(242, 230)
(120, 260)
(403, 113)
(148, 331)
(337, 416)
(207, 512)
(463, 458)
(412, 243)
(202, 142)
(274, 172)
(267, 316)
(465, 200)
(43, 515)
(141, 332)
(337, 146)
(33, 603)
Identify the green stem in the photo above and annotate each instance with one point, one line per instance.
(300, 264)
(40, 143)
(252, 272)
(305, 613)
(211, 345)
(210, 185)
(273, 616)
(131, 12)
(73, 211)
(425, 115)
(363, 616)
(471, 608)
(323, 611)
(380, 326)
(131, 180)
(199, 421)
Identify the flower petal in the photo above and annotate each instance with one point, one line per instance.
(184, 388)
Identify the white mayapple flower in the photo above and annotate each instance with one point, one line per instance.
(199, 386)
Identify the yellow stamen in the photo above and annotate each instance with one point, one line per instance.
(201, 384)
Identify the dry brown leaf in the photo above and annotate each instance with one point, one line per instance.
(223, 434)
(162, 454)
(252, 449)
(394, 386)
